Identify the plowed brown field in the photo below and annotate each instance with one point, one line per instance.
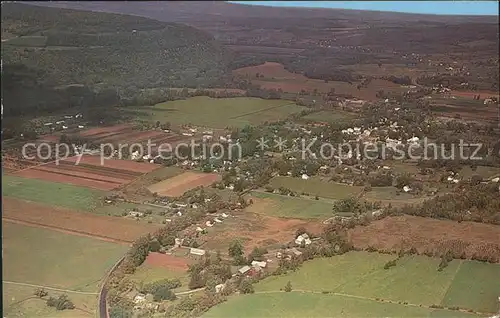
(100, 227)
(115, 163)
(168, 261)
(176, 186)
(426, 234)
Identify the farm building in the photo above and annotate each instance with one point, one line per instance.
(244, 270)
(197, 251)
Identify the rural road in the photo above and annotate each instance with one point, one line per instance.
(50, 288)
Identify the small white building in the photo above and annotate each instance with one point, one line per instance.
(406, 189)
(136, 214)
(197, 251)
(305, 176)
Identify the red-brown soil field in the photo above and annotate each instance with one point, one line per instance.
(100, 227)
(168, 261)
(426, 235)
(176, 186)
(103, 130)
(256, 229)
(115, 163)
(89, 173)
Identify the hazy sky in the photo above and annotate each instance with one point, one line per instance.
(432, 7)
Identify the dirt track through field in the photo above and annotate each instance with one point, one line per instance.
(108, 228)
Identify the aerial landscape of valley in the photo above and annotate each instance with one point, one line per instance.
(223, 159)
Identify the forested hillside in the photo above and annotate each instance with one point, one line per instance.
(59, 58)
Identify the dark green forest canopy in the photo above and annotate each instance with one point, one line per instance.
(46, 49)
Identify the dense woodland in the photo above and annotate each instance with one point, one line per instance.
(65, 58)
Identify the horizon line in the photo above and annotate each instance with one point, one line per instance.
(443, 8)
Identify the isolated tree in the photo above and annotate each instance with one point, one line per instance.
(235, 249)
(288, 287)
(40, 292)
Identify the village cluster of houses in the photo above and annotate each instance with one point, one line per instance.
(65, 123)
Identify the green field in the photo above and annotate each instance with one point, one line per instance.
(391, 195)
(353, 285)
(317, 187)
(335, 117)
(51, 193)
(19, 301)
(301, 305)
(475, 286)
(147, 274)
(292, 207)
(50, 258)
(218, 112)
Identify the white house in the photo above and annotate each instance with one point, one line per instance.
(260, 264)
(303, 238)
(139, 298)
(305, 176)
(406, 189)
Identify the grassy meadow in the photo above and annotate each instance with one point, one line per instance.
(51, 258)
(315, 186)
(354, 285)
(218, 112)
(51, 193)
(19, 301)
(292, 207)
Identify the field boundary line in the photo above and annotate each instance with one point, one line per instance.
(42, 164)
(50, 288)
(65, 230)
(380, 300)
(451, 281)
(260, 111)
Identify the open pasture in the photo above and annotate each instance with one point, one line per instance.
(50, 258)
(19, 301)
(50, 193)
(176, 186)
(316, 186)
(105, 228)
(154, 269)
(426, 234)
(302, 304)
(386, 195)
(217, 112)
(356, 284)
(289, 207)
